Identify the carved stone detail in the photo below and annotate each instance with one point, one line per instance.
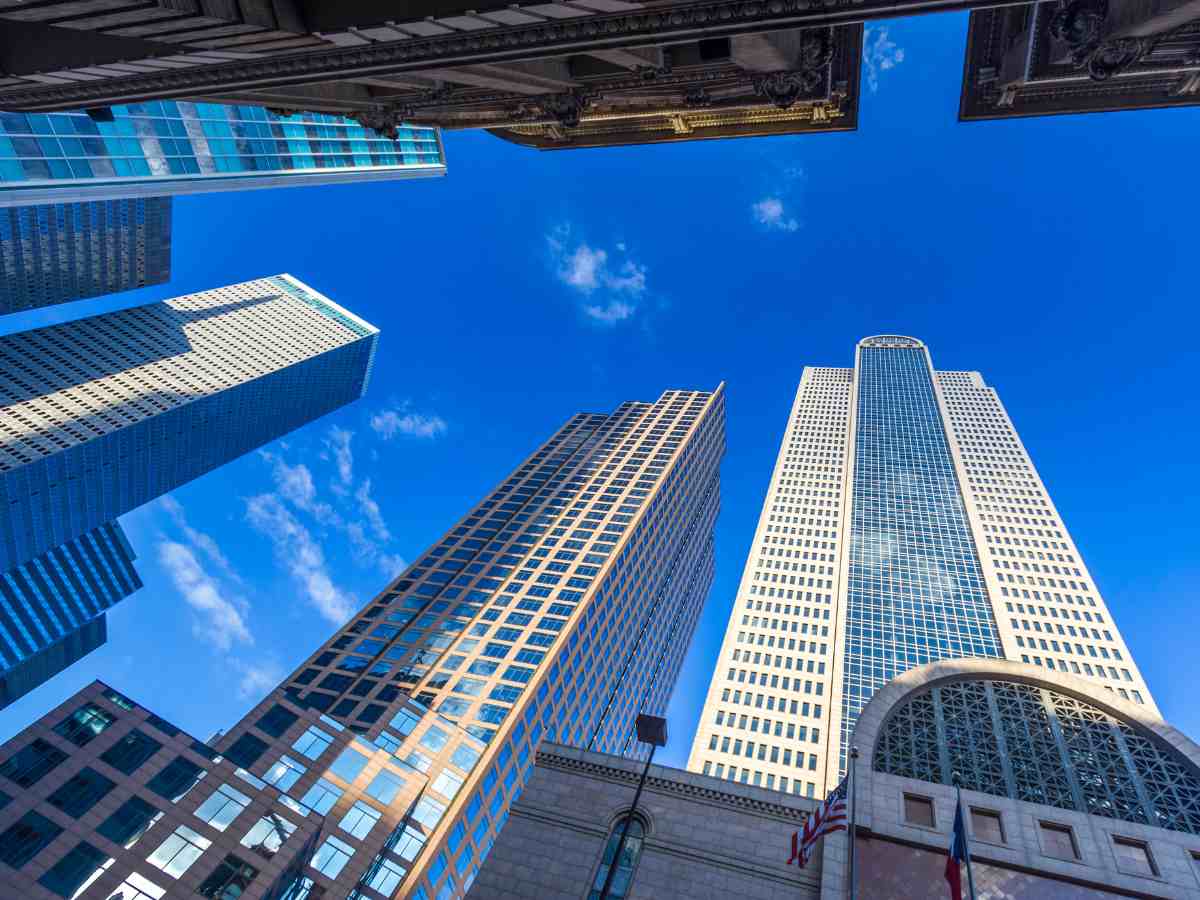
(566, 109)
(785, 88)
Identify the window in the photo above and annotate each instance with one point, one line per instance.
(178, 777)
(222, 807)
(447, 784)
(26, 838)
(1134, 857)
(630, 854)
(276, 721)
(130, 822)
(387, 877)
(267, 835)
(228, 880)
(176, 854)
(246, 750)
(1058, 841)
(313, 742)
(331, 857)
(28, 765)
(84, 724)
(284, 773)
(918, 811)
(81, 792)
(136, 887)
(348, 765)
(986, 825)
(321, 796)
(75, 871)
(128, 754)
(385, 786)
(359, 820)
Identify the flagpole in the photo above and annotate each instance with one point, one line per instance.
(853, 827)
(967, 847)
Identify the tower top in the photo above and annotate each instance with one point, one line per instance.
(891, 341)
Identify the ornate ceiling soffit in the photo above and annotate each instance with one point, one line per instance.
(785, 88)
(1080, 25)
(645, 27)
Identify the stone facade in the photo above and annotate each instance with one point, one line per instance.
(705, 837)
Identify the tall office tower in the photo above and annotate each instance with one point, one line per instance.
(60, 252)
(904, 524)
(560, 607)
(170, 147)
(52, 607)
(101, 415)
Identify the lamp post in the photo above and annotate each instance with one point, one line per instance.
(651, 730)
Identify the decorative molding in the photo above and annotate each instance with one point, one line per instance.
(552, 760)
(644, 27)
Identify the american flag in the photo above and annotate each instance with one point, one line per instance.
(829, 816)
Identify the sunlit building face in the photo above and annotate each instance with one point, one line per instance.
(904, 524)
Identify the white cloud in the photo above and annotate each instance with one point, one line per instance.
(199, 539)
(257, 678)
(391, 565)
(879, 55)
(611, 289)
(612, 312)
(220, 618)
(389, 423)
(370, 511)
(338, 443)
(300, 555)
(769, 213)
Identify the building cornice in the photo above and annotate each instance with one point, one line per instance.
(646, 27)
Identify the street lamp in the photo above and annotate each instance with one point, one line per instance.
(651, 730)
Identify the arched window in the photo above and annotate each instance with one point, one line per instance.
(1037, 744)
(625, 866)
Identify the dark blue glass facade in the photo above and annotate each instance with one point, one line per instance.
(164, 438)
(56, 253)
(915, 584)
(52, 607)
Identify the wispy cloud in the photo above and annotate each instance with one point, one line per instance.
(402, 421)
(609, 290)
(370, 510)
(879, 55)
(770, 213)
(220, 619)
(338, 442)
(300, 555)
(257, 678)
(199, 539)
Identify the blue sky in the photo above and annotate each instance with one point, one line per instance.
(1054, 255)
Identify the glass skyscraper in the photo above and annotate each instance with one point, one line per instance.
(170, 147)
(52, 607)
(904, 524)
(103, 414)
(55, 253)
(558, 608)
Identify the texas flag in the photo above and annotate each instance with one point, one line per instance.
(958, 854)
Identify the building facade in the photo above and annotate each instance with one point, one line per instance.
(103, 414)
(1068, 793)
(692, 837)
(60, 252)
(1039, 59)
(157, 149)
(559, 608)
(904, 523)
(52, 607)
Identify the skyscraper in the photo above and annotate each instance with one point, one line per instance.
(60, 252)
(52, 607)
(559, 607)
(167, 147)
(904, 523)
(103, 414)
